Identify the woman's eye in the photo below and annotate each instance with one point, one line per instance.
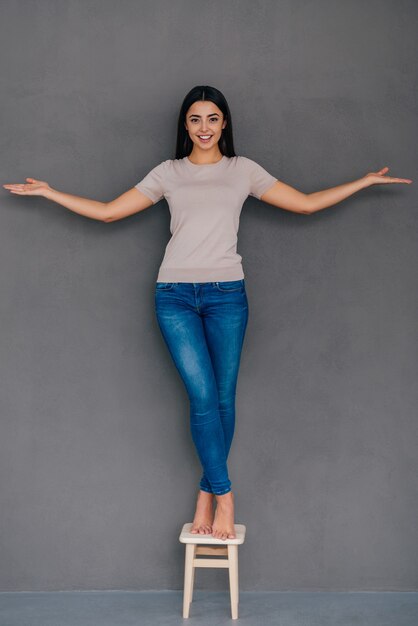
(214, 119)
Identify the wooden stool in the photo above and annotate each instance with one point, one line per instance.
(214, 547)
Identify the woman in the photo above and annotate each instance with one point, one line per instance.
(200, 299)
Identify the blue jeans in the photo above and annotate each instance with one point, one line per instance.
(203, 325)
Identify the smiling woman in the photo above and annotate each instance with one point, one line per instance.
(201, 303)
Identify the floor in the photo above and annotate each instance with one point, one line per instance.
(164, 608)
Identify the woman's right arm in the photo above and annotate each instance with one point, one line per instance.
(130, 202)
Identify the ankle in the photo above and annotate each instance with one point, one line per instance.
(225, 498)
(206, 494)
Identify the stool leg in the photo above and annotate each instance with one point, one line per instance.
(233, 578)
(188, 578)
(192, 583)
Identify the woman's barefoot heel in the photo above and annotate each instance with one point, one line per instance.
(202, 522)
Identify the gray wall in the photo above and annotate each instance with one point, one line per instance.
(97, 467)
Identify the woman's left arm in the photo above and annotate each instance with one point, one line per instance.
(284, 196)
(328, 197)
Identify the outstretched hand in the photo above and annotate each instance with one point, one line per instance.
(375, 178)
(32, 188)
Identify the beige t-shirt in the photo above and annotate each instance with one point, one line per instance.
(205, 203)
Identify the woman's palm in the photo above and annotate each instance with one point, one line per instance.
(32, 188)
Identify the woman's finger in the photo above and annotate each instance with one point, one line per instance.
(31, 182)
(386, 179)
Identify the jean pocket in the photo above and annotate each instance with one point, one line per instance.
(164, 286)
(230, 285)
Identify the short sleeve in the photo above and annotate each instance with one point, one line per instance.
(259, 179)
(152, 185)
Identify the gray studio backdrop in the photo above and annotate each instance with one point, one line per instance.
(97, 466)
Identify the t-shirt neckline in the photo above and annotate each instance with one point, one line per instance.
(194, 165)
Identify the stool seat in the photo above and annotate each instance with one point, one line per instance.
(187, 537)
(197, 545)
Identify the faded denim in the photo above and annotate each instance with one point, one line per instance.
(203, 325)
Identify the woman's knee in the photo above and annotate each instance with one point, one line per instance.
(203, 404)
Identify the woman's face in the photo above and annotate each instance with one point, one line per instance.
(204, 119)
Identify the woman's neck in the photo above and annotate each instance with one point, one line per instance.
(203, 157)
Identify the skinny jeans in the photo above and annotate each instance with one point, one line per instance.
(203, 326)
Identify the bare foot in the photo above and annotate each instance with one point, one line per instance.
(203, 517)
(223, 524)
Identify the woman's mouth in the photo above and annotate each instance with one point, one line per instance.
(205, 138)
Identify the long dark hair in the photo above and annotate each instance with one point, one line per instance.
(184, 144)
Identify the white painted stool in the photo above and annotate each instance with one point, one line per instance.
(214, 547)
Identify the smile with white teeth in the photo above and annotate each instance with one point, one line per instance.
(204, 137)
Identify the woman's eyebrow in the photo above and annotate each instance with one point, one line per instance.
(195, 115)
